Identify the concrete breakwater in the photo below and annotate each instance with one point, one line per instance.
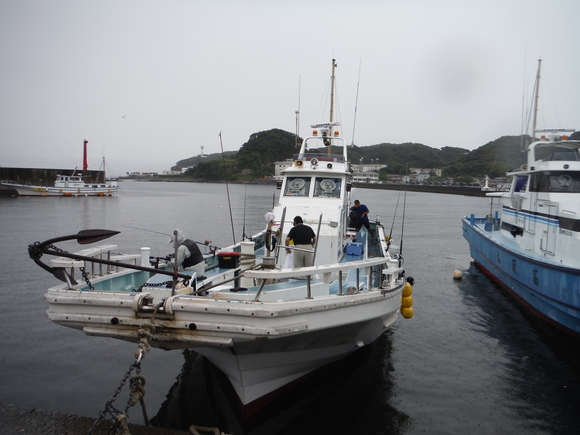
(42, 177)
(451, 190)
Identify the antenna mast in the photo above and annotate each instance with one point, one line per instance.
(298, 113)
(332, 91)
(331, 104)
(536, 96)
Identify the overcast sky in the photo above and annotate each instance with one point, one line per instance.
(148, 83)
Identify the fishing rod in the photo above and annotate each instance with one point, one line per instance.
(227, 187)
(204, 243)
(244, 225)
(393, 223)
(356, 104)
(402, 229)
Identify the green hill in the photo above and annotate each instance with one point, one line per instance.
(493, 159)
(256, 157)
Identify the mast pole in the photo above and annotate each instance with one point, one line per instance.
(536, 97)
(331, 104)
(332, 91)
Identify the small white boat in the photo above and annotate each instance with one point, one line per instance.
(66, 185)
(531, 248)
(262, 323)
(69, 185)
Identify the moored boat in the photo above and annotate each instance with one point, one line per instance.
(68, 185)
(531, 247)
(262, 321)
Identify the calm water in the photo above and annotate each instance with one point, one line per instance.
(468, 362)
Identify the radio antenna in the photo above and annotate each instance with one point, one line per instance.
(356, 104)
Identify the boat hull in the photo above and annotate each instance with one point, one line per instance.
(262, 349)
(549, 290)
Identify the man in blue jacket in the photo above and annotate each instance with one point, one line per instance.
(362, 218)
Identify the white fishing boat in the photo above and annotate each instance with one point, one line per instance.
(69, 185)
(263, 323)
(532, 246)
(66, 185)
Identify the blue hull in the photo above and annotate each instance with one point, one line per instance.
(549, 290)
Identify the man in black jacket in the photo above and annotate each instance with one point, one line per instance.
(304, 239)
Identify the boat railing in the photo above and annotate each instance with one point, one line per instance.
(489, 222)
(96, 269)
(326, 271)
(320, 157)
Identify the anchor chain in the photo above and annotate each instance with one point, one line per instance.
(119, 419)
(155, 284)
(86, 278)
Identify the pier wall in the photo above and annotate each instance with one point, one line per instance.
(451, 190)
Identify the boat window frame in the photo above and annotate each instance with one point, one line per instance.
(319, 191)
(521, 183)
(304, 192)
(557, 152)
(555, 181)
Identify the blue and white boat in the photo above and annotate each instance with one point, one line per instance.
(264, 323)
(532, 247)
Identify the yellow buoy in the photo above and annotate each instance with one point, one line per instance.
(407, 302)
(407, 313)
(407, 290)
(457, 274)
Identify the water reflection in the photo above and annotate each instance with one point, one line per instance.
(533, 366)
(353, 395)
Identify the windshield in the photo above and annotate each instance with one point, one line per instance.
(297, 186)
(556, 181)
(327, 187)
(558, 152)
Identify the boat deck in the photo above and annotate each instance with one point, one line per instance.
(505, 241)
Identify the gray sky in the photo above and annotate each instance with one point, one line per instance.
(148, 83)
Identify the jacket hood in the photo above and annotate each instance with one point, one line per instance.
(180, 237)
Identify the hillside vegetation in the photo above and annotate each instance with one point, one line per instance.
(256, 157)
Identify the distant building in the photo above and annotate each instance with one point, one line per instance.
(427, 171)
(362, 167)
(365, 177)
(280, 167)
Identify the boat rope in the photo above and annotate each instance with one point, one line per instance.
(118, 420)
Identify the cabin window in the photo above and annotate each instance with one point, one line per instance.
(556, 181)
(521, 183)
(297, 186)
(557, 153)
(325, 187)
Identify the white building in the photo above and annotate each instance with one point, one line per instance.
(365, 177)
(419, 171)
(280, 167)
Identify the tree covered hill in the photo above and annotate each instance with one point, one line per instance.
(494, 159)
(256, 158)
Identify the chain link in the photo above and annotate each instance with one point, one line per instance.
(86, 278)
(137, 386)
